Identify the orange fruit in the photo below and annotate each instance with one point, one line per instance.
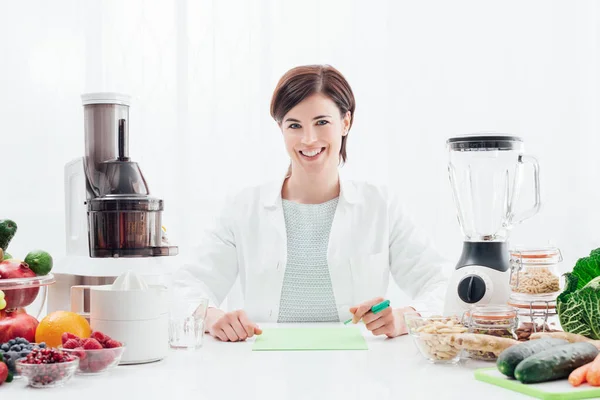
(52, 327)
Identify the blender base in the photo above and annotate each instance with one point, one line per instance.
(493, 255)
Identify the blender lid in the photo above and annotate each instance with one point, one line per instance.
(125, 203)
(106, 98)
(484, 142)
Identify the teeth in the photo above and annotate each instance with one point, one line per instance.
(311, 153)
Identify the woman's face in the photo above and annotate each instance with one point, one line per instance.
(312, 132)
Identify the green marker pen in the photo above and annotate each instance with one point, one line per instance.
(375, 309)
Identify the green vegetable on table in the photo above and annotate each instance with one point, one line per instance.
(510, 358)
(578, 305)
(555, 363)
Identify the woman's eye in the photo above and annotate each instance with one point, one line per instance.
(322, 122)
(294, 126)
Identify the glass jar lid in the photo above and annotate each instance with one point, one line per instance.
(536, 255)
(491, 314)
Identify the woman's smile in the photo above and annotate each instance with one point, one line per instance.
(312, 154)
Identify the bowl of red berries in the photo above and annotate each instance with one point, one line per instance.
(45, 368)
(97, 354)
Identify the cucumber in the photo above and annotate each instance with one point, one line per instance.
(555, 363)
(511, 357)
(7, 231)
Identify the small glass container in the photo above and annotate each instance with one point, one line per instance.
(47, 375)
(433, 336)
(494, 320)
(535, 274)
(534, 317)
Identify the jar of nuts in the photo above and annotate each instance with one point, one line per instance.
(499, 321)
(535, 274)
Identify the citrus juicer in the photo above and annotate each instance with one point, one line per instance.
(486, 173)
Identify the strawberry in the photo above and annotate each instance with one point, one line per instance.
(66, 336)
(83, 364)
(80, 353)
(100, 337)
(71, 344)
(3, 372)
(111, 344)
(91, 344)
(96, 365)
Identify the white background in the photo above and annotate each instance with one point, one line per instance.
(201, 74)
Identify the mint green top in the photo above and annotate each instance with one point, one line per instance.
(307, 294)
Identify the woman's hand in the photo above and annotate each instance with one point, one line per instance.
(230, 327)
(388, 322)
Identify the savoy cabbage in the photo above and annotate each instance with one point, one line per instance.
(578, 306)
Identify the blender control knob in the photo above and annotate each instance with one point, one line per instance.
(471, 289)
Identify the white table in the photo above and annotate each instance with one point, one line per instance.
(390, 369)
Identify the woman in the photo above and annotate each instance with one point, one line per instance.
(312, 247)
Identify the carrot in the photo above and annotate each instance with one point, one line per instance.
(593, 374)
(578, 376)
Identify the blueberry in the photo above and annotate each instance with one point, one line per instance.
(42, 345)
(5, 347)
(11, 342)
(24, 354)
(16, 347)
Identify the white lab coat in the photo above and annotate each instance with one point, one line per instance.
(370, 237)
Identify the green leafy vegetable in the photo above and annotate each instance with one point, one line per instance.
(578, 306)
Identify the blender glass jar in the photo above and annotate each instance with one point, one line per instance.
(535, 273)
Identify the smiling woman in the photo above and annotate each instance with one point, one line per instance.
(302, 82)
(312, 247)
(314, 107)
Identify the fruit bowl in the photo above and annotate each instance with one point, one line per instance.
(431, 334)
(47, 375)
(95, 362)
(26, 292)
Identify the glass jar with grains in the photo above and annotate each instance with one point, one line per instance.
(535, 274)
(499, 321)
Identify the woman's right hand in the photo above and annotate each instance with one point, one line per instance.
(232, 326)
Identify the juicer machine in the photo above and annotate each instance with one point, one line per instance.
(113, 225)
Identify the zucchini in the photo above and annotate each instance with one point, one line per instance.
(555, 363)
(511, 357)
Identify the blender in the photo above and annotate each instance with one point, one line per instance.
(113, 224)
(486, 173)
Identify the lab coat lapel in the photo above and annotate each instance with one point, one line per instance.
(275, 270)
(338, 252)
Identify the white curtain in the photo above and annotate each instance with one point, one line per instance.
(201, 74)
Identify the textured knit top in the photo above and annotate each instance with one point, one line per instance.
(307, 293)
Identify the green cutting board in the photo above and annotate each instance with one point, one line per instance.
(306, 339)
(555, 390)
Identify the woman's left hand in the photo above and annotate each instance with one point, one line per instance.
(388, 322)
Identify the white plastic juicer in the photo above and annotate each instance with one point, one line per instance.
(113, 225)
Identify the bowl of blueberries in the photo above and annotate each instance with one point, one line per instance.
(17, 348)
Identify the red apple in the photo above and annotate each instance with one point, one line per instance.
(15, 298)
(17, 324)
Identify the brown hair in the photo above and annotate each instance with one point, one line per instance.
(302, 82)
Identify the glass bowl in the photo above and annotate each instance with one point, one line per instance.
(433, 336)
(95, 362)
(26, 293)
(47, 375)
